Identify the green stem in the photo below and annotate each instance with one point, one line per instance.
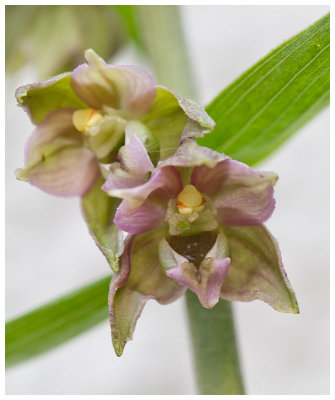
(212, 331)
(215, 348)
(163, 39)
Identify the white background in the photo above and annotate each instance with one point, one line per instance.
(49, 251)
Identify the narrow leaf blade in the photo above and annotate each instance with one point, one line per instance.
(56, 322)
(274, 98)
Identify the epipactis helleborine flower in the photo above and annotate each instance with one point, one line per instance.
(82, 117)
(195, 222)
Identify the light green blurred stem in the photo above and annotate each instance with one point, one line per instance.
(215, 349)
(213, 335)
(163, 38)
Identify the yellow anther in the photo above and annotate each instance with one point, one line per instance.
(190, 200)
(83, 120)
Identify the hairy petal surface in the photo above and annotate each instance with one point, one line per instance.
(41, 98)
(126, 88)
(256, 270)
(55, 160)
(241, 195)
(139, 279)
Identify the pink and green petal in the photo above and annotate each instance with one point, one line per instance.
(125, 88)
(69, 172)
(55, 160)
(134, 156)
(204, 277)
(256, 270)
(241, 195)
(148, 217)
(190, 154)
(205, 280)
(55, 132)
(165, 182)
(170, 116)
(41, 98)
(139, 279)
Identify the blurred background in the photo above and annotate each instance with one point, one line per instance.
(49, 251)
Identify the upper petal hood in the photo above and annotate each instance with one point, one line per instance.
(125, 88)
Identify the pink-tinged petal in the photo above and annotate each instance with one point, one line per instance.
(41, 98)
(190, 154)
(139, 279)
(69, 172)
(55, 132)
(165, 182)
(55, 160)
(148, 139)
(205, 274)
(256, 270)
(127, 88)
(241, 195)
(205, 281)
(133, 169)
(171, 116)
(148, 217)
(134, 156)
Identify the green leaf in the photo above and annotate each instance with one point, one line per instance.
(274, 98)
(215, 349)
(40, 98)
(56, 322)
(99, 209)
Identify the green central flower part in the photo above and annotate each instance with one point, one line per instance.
(190, 213)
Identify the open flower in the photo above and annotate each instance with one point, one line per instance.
(194, 221)
(82, 116)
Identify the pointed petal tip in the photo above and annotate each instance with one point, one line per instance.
(119, 346)
(91, 56)
(20, 175)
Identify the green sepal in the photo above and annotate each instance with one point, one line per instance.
(99, 209)
(39, 99)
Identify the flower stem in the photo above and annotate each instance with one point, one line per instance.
(163, 39)
(212, 331)
(215, 349)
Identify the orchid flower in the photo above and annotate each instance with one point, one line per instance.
(82, 117)
(195, 221)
